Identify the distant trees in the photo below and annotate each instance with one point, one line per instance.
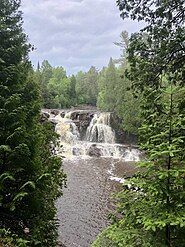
(44, 74)
(107, 83)
(116, 93)
(87, 86)
(72, 91)
(54, 85)
(108, 89)
(60, 91)
(30, 177)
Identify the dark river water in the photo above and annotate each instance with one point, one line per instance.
(83, 210)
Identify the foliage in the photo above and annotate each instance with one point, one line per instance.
(107, 95)
(60, 91)
(116, 94)
(8, 239)
(55, 86)
(30, 177)
(103, 240)
(150, 208)
(109, 89)
(128, 103)
(152, 212)
(87, 86)
(72, 91)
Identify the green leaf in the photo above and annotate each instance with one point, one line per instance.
(28, 184)
(19, 196)
(6, 176)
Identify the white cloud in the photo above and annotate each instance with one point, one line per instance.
(74, 33)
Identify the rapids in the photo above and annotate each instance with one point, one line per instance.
(96, 166)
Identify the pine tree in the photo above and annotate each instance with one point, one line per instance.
(91, 85)
(72, 91)
(30, 178)
(108, 79)
(43, 76)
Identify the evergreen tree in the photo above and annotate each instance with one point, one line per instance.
(92, 85)
(102, 89)
(38, 66)
(107, 98)
(128, 105)
(123, 44)
(151, 212)
(30, 177)
(43, 76)
(72, 91)
(111, 82)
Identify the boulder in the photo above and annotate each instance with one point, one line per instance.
(94, 151)
(55, 112)
(44, 117)
(76, 151)
(62, 114)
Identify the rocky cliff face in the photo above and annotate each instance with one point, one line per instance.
(82, 119)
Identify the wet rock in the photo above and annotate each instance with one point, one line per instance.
(44, 117)
(76, 151)
(94, 151)
(55, 112)
(62, 114)
(53, 121)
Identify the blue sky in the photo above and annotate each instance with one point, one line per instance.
(74, 34)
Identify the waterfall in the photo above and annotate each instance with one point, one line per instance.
(99, 137)
(67, 129)
(99, 129)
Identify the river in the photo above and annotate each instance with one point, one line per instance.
(95, 166)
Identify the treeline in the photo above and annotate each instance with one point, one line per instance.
(108, 89)
(31, 177)
(60, 91)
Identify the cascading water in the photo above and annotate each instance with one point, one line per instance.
(99, 138)
(67, 130)
(99, 129)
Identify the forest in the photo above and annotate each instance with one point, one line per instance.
(108, 89)
(144, 88)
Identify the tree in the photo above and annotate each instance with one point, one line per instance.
(123, 44)
(87, 86)
(92, 85)
(111, 82)
(107, 98)
(30, 177)
(72, 90)
(101, 104)
(43, 76)
(128, 104)
(151, 212)
(59, 89)
(116, 94)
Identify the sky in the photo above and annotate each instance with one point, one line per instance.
(75, 34)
